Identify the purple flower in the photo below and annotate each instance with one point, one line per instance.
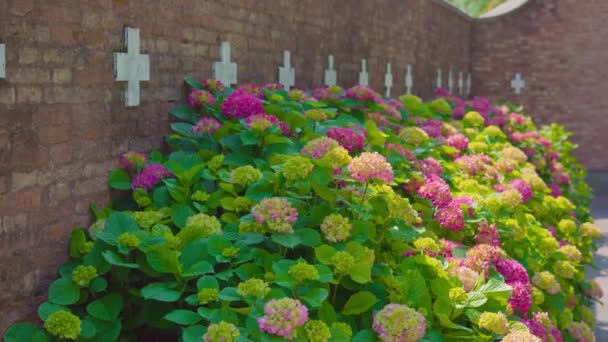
(349, 138)
(523, 188)
(436, 190)
(521, 297)
(206, 125)
(241, 104)
(442, 92)
(458, 141)
(451, 216)
(512, 270)
(487, 233)
(150, 176)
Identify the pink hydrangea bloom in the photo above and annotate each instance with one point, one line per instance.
(349, 138)
(276, 213)
(479, 257)
(378, 118)
(241, 104)
(263, 121)
(200, 98)
(405, 153)
(458, 141)
(487, 233)
(130, 160)
(467, 276)
(397, 322)
(448, 246)
(442, 92)
(436, 190)
(512, 270)
(282, 317)
(517, 118)
(523, 188)
(451, 216)
(432, 127)
(206, 125)
(150, 176)
(473, 163)
(327, 93)
(561, 178)
(213, 85)
(317, 148)
(370, 165)
(430, 166)
(273, 86)
(521, 297)
(362, 93)
(252, 89)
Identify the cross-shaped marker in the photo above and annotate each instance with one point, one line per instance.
(331, 76)
(460, 83)
(287, 74)
(518, 83)
(363, 76)
(225, 70)
(439, 81)
(131, 67)
(388, 80)
(2, 61)
(469, 85)
(450, 82)
(409, 79)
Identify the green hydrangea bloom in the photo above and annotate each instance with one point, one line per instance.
(538, 297)
(128, 240)
(565, 318)
(253, 287)
(478, 147)
(493, 132)
(457, 294)
(63, 324)
(336, 228)
(427, 245)
(303, 271)
(413, 135)
(316, 331)
(474, 119)
(208, 224)
(242, 204)
(343, 262)
(221, 332)
(171, 240)
(147, 219)
(251, 227)
(215, 162)
(141, 197)
(337, 157)
(566, 227)
(245, 175)
(297, 167)
(440, 106)
(276, 98)
(494, 322)
(207, 295)
(200, 196)
(82, 275)
(343, 327)
(564, 269)
(86, 248)
(229, 252)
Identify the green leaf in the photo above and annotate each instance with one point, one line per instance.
(289, 240)
(325, 193)
(230, 294)
(22, 332)
(193, 83)
(327, 313)
(207, 282)
(359, 303)
(475, 299)
(193, 333)
(309, 237)
(324, 253)
(87, 328)
(77, 242)
(361, 272)
(185, 113)
(374, 135)
(106, 308)
(162, 292)
(116, 260)
(180, 213)
(119, 179)
(117, 224)
(183, 317)
(320, 176)
(364, 336)
(46, 309)
(494, 288)
(315, 297)
(63, 291)
(248, 137)
(98, 284)
(198, 269)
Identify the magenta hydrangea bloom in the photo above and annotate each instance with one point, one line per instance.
(523, 188)
(512, 270)
(206, 125)
(432, 127)
(436, 190)
(430, 166)
(448, 246)
(282, 317)
(130, 160)
(370, 165)
(351, 139)
(327, 93)
(252, 89)
(213, 85)
(451, 216)
(241, 104)
(149, 176)
(442, 92)
(487, 233)
(378, 118)
(521, 297)
(263, 121)
(200, 98)
(362, 93)
(458, 141)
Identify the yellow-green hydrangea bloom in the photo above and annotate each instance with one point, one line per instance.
(245, 175)
(297, 167)
(302, 271)
(253, 287)
(83, 275)
(63, 324)
(494, 322)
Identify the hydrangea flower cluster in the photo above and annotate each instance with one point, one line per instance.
(213, 85)
(63, 324)
(261, 121)
(241, 104)
(317, 148)
(336, 228)
(200, 98)
(276, 213)
(221, 332)
(396, 322)
(349, 138)
(149, 176)
(369, 166)
(494, 322)
(282, 317)
(206, 125)
(130, 160)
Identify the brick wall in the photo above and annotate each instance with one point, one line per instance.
(560, 48)
(63, 122)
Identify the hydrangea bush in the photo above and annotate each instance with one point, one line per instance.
(334, 215)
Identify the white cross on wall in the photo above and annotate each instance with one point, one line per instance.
(287, 74)
(439, 81)
(460, 84)
(131, 67)
(388, 80)
(225, 70)
(518, 83)
(363, 75)
(2, 61)
(469, 85)
(331, 76)
(409, 79)
(451, 82)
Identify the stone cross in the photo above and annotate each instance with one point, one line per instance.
(2, 61)
(469, 85)
(225, 70)
(460, 84)
(287, 74)
(409, 79)
(518, 83)
(363, 75)
(388, 80)
(131, 67)
(451, 82)
(439, 81)
(331, 76)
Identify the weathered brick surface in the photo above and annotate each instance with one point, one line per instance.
(560, 48)
(63, 122)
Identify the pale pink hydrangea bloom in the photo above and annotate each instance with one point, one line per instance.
(282, 317)
(370, 165)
